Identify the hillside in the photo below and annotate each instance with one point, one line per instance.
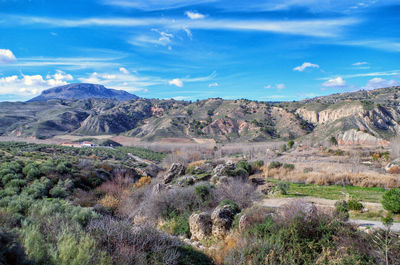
(83, 91)
(370, 117)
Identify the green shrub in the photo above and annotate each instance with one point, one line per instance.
(333, 140)
(31, 171)
(233, 204)
(35, 245)
(203, 194)
(258, 164)
(244, 165)
(284, 148)
(288, 166)
(290, 144)
(177, 224)
(275, 164)
(39, 188)
(355, 205)
(283, 187)
(239, 172)
(391, 200)
(342, 210)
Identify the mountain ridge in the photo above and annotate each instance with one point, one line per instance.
(83, 91)
(358, 117)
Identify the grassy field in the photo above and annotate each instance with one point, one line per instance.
(334, 192)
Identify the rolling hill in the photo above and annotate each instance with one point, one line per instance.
(360, 117)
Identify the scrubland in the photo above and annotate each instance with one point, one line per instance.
(194, 204)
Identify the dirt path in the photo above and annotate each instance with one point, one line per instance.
(326, 204)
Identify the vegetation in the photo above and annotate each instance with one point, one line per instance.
(391, 200)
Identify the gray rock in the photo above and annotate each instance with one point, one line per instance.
(200, 226)
(159, 187)
(176, 169)
(393, 166)
(222, 219)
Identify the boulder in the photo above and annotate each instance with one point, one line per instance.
(200, 226)
(158, 188)
(221, 169)
(176, 169)
(393, 167)
(222, 219)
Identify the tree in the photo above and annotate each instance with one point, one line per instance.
(391, 200)
(333, 140)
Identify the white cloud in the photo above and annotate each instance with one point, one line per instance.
(280, 86)
(267, 86)
(215, 84)
(176, 82)
(32, 84)
(194, 15)
(337, 82)
(305, 27)
(181, 98)
(378, 82)
(123, 70)
(359, 63)
(304, 66)
(6, 56)
(120, 80)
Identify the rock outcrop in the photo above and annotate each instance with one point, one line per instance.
(200, 226)
(222, 219)
(393, 167)
(354, 137)
(176, 170)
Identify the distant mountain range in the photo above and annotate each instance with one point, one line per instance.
(363, 117)
(83, 91)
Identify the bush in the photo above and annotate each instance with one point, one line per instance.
(244, 165)
(355, 205)
(283, 187)
(177, 224)
(203, 194)
(237, 190)
(233, 204)
(275, 164)
(288, 166)
(31, 171)
(239, 172)
(342, 210)
(391, 200)
(290, 144)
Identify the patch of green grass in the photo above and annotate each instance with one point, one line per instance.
(334, 192)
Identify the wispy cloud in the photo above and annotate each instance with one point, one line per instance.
(359, 63)
(387, 73)
(194, 15)
(155, 4)
(304, 66)
(309, 27)
(386, 45)
(215, 84)
(66, 62)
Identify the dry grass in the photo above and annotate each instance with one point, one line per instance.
(332, 177)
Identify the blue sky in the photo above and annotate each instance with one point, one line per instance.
(263, 50)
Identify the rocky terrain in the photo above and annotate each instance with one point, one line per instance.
(367, 117)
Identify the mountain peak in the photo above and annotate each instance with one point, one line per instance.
(83, 91)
